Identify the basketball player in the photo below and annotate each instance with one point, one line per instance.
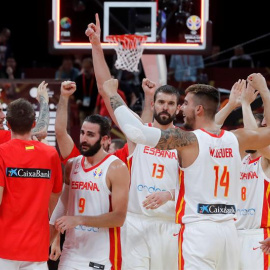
(40, 130)
(152, 172)
(93, 204)
(253, 211)
(30, 174)
(208, 186)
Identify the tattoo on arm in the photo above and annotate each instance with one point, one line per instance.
(43, 120)
(175, 138)
(116, 101)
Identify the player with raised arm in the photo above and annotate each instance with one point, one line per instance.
(210, 169)
(154, 175)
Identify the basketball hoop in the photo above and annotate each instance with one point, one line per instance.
(129, 50)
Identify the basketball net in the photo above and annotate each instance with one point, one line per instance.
(129, 50)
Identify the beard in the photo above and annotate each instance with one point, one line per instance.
(93, 149)
(251, 151)
(163, 120)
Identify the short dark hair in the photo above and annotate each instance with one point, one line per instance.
(259, 117)
(103, 122)
(119, 143)
(169, 90)
(20, 116)
(207, 96)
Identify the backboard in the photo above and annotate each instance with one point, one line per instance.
(171, 26)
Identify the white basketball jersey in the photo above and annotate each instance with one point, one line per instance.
(253, 210)
(209, 188)
(152, 170)
(87, 247)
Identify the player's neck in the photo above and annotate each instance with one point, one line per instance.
(95, 159)
(163, 127)
(25, 137)
(209, 126)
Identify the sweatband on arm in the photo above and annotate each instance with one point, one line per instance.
(61, 207)
(134, 129)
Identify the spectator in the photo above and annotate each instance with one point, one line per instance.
(184, 67)
(215, 59)
(10, 69)
(4, 46)
(67, 71)
(86, 94)
(240, 58)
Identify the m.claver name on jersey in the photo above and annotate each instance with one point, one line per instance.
(159, 153)
(221, 152)
(84, 185)
(248, 176)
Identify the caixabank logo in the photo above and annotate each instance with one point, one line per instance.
(28, 173)
(216, 209)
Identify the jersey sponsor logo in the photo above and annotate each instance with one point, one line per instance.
(96, 265)
(97, 173)
(221, 152)
(149, 189)
(84, 185)
(159, 153)
(211, 209)
(87, 229)
(28, 173)
(246, 212)
(248, 176)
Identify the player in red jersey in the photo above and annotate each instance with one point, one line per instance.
(30, 180)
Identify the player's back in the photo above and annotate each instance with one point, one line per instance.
(31, 171)
(209, 187)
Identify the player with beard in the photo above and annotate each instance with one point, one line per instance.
(93, 204)
(148, 235)
(210, 162)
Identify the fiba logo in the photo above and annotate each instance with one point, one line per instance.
(193, 23)
(65, 23)
(97, 172)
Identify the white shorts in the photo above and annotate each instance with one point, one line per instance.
(251, 256)
(149, 243)
(22, 265)
(209, 245)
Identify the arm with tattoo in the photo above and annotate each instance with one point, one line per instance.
(40, 130)
(175, 138)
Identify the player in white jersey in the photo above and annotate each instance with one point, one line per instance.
(208, 239)
(253, 210)
(93, 204)
(148, 234)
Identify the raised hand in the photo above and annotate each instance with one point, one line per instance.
(258, 82)
(249, 94)
(68, 88)
(93, 31)
(236, 91)
(42, 92)
(148, 87)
